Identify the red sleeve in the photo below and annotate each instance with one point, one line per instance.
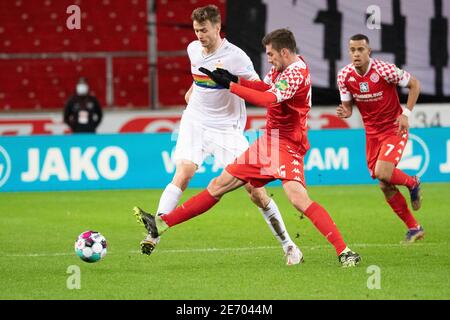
(255, 97)
(257, 85)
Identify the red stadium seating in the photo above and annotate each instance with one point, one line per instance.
(131, 82)
(40, 26)
(174, 79)
(47, 83)
(38, 73)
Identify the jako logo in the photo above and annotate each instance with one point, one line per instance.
(416, 156)
(111, 164)
(5, 166)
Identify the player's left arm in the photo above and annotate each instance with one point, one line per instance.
(284, 89)
(253, 96)
(414, 90)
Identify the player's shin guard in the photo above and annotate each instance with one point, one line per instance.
(169, 199)
(323, 222)
(195, 206)
(275, 222)
(399, 178)
(398, 204)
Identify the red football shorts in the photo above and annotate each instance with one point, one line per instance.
(269, 159)
(386, 148)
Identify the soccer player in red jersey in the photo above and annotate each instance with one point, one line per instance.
(372, 85)
(278, 154)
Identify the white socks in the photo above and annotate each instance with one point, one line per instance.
(273, 218)
(169, 199)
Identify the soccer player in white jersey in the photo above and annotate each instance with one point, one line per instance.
(213, 124)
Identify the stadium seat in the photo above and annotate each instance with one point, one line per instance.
(174, 79)
(40, 26)
(47, 83)
(131, 82)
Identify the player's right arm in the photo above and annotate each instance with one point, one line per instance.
(345, 109)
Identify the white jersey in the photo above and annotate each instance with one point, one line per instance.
(210, 104)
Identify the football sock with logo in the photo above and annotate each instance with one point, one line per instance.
(323, 222)
(169, 198)
(399, 178)
(275, 222)
(398, 204)
(193, 207)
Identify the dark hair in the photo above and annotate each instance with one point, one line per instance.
(207, 13)
(358, 37)
(280, 39)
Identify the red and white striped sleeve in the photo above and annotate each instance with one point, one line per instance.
(341, 80)
(391, 73)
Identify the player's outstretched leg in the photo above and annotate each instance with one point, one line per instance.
(397, 202)
(399, 178)
(274, 220)
(298, 196)
(156, 225)
(152, 238)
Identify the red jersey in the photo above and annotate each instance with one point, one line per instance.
(288, 115)
(375, 94)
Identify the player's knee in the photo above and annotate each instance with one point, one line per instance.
(383, 175)
(182, 180)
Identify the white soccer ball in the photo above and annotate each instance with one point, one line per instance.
(91, 246)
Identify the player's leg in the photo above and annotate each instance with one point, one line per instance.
(398, 204)
(193, 207)
(385, 168)
(299, 198)
(188, 156)
(171, 195)
(274, 220)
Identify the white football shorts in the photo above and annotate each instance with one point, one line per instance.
(196, 142)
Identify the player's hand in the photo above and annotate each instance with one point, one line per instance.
(342, 112)
(227, 74)
(216, 77)
(403, 124)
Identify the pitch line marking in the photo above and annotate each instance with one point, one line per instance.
(357, 245)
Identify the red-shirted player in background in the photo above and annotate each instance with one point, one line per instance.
(278, 154)
(372, 85)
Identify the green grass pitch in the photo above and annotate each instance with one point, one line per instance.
(227, 253)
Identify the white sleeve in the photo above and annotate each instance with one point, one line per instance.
(244, 67)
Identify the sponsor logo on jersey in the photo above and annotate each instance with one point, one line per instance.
(5, 166)
(352, 79)
(374, 77)
(364, 87)
(282, 85)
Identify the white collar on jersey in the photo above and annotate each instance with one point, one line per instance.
(217, 50)
(368, 68)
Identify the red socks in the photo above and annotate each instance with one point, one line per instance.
(195, 206)
(398, 204)
(323, 222)
(399, 178)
